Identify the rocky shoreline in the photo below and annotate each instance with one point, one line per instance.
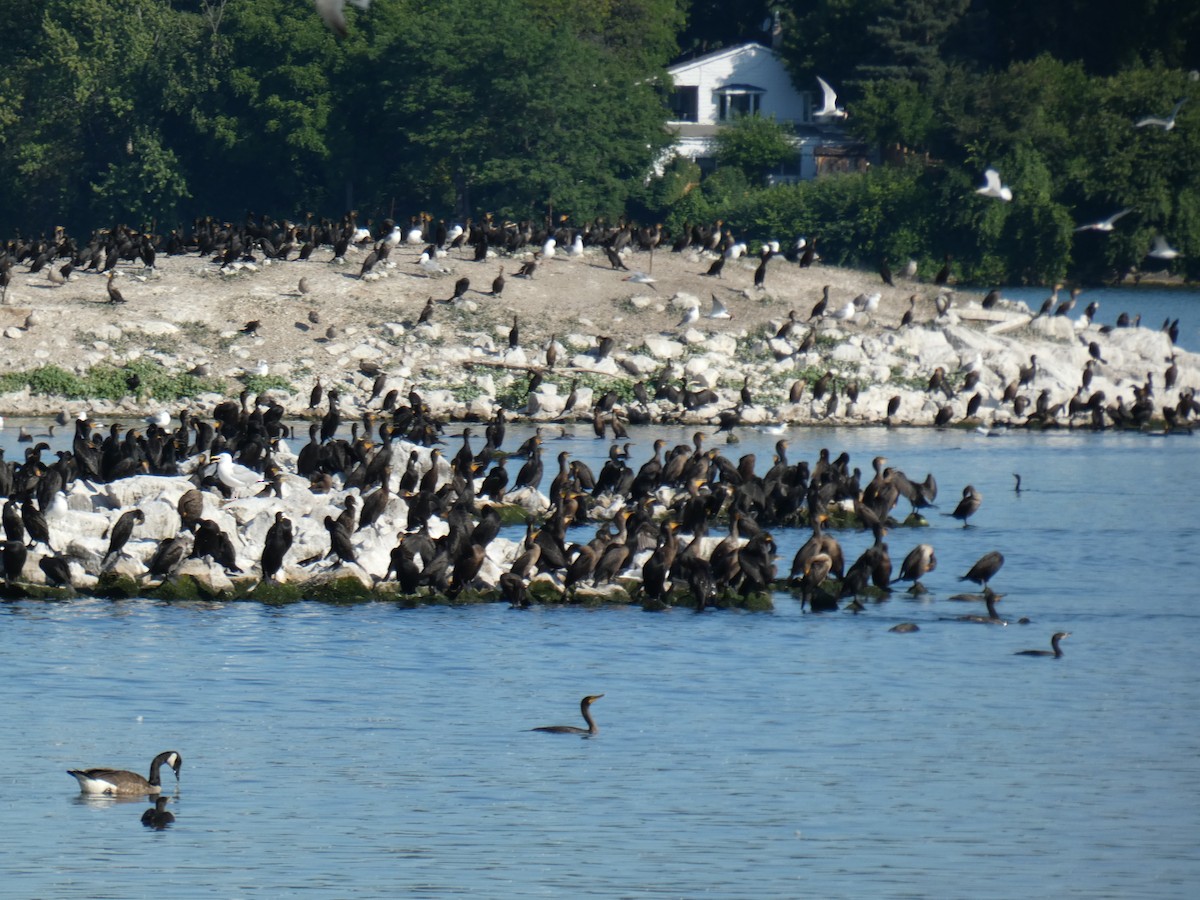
(250, 327)
(592, 344)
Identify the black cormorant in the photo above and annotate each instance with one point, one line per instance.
(157, 817)
(1054, 642)
(584, 708)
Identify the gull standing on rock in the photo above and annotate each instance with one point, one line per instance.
(235, 477)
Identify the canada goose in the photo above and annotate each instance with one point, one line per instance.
(119, 781)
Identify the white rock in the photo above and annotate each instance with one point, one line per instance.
(639, 365)
(724, 344)
(662, 348)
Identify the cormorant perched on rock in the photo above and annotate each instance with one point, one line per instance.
(35, 525)
(190, 506)
(920, 560)
(13, 555)
(169, 554)
(57, 571)
(212, 543)
(968, 505)
(276, 546)
(339, 541)
(530, 474)
(120, 533)
(985, 568)
(316, 394)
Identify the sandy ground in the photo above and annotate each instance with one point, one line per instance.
(187, 314)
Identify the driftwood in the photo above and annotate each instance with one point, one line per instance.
(538, 369)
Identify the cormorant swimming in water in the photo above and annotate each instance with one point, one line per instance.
(1054, 642)
(992, 618)
(157, 817)
(584, 705)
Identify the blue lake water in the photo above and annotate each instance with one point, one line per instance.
(1154, 304)
(370, 751)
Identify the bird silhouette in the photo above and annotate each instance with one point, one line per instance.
(829, 108)
(993, 188)
(333, 13)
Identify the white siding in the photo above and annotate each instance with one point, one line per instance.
(748, 64)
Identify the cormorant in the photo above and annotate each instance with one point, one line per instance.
(985, 568)
(121, 531)
(584, 708)
(968, 505)
(276, 546)
(157, 817)
(1054, 642)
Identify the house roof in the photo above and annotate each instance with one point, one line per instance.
(737, 50)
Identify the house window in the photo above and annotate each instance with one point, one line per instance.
(685, 104)
(735, 100)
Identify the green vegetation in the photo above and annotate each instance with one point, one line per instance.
(151, 112)
(141, 378)
(756, 145)
(941, 90)
(258, 384)
(134, 110)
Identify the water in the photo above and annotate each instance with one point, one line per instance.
(1155, 304)
(370, 751)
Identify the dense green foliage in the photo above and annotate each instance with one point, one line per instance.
(150, 112)
(756, 144)
(1045, 92)
(110, 383)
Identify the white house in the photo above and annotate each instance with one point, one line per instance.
(748, 79)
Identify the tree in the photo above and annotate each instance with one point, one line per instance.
(513, 109)
(755, 144)
(93, 91)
